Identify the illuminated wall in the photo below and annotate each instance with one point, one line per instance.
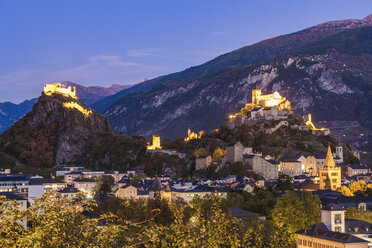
(311, 125)
(155, 143)
(58, 88)
(77, 106)
(192, 135)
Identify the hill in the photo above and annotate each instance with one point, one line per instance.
(52, 133)
(10, 112)
(248, 55)
(331, 85)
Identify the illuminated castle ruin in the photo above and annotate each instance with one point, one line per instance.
(268, 100)
(155, 143)
(192, 135)
(315, 130)
(263, 106)
(61, 89)
(77, 106)
(58, 88)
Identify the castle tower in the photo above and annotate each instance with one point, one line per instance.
(256, 93)
(330, 175)
(155, 143)
(339, 152)
(333, 216)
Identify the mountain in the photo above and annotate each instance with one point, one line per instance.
(248, 55)
(52, 132)
(91, 94)
(10, 112)
(325, 78)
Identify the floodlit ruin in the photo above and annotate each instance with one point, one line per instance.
(192, 135)
(58, 88)
(77, 106)
(61, 89)
(155, 143)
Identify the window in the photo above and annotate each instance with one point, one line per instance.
(338, 229)
(337, 218)
(299, 241)
(334, 180)
(334, 174)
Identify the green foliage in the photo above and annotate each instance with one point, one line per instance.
(32, 145)
(260, 201)
(283, 183)
(296, 210)
(358, 214)
(114, 152)
(201, 152)
(58, 222)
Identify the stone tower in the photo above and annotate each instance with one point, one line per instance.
(339, 152)
(330, 175)
(256, 93)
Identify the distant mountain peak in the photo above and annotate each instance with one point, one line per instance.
(368, 17)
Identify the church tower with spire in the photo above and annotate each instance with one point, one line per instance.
(330, 175)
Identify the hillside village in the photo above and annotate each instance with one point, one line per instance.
(231, 168)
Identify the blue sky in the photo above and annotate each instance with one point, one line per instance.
(106, 42)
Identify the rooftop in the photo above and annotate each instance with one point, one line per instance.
(12, 196)
(320, 230)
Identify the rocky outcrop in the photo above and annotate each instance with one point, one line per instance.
(327, 79)
(52, 133)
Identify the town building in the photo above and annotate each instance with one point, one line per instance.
(234, 152)
(201, 191)
(330, 175)
(358, 169)
(291, 165)
(335, 231)
(314, 162)
(203, 162)
(49, 184)
(69, 191)
(67, 169)
(14, 182)
(268, 169)
(126, 192)
(85, 185)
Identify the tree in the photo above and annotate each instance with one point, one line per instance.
(358, 214)
(218, 153)
(201, 152)
(58, 222)
(104, 184)
(327, 183)
(283, 183)
(359, 185)
(345, 191)
(296, 210)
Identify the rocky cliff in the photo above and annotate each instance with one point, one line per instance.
(257, 53)
(52, 133)
(332, 82)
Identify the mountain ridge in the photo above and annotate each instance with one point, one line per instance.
(256, 53)
(331, 86)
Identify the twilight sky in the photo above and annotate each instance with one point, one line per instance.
(105, 42)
